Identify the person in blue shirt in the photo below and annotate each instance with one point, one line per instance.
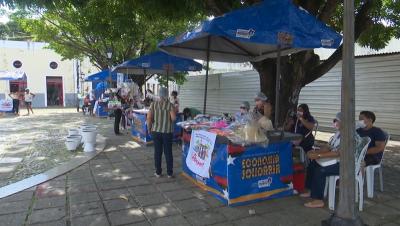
(243, 114)
(377, 136)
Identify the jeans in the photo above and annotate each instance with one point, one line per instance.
(15, 106)
(163, 143)
(117, 120)
(316, 178)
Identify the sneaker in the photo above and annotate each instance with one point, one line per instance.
(157, 175)
(171, 176)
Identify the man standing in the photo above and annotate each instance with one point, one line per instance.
(28, 100)
(15, 97)
(160, 120)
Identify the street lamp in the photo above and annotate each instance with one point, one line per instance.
(109, 56)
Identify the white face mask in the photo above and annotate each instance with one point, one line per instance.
(360, 124)
(300, 113)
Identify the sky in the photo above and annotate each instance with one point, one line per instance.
(4, 18)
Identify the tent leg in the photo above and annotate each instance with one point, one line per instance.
(206, 82)
(277, 85)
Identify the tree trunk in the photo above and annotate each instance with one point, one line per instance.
(293, 71)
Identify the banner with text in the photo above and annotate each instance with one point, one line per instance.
(200, 152)
(6, 105)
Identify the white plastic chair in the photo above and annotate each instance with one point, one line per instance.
(370, 172)
(361, 150)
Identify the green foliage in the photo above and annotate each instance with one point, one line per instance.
(76, 29)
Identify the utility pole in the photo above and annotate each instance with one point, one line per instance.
(346, 213)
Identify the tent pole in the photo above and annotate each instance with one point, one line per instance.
(206, 82)
(277, 85)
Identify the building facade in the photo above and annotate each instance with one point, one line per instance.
(54, 81)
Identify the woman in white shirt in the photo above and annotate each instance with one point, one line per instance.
(28, 100)
(324, 162)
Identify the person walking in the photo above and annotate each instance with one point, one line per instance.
(28, 100)
(160, 120)
(15, 97)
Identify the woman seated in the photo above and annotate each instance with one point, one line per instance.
(303, 124)
(324, 162)
(243, 114)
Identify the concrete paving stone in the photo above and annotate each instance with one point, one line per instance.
(234, 213)
(84, 197)
(372, 219)
(47, 215)
(143, 190)
(114, 194)
(142, 223)
(79, 174)
(126, 216)
(119, 204)
(179, 194)
(384, 211)
(169, 186)
(190, 205)
(171, 221)
(205, 217)
(13, 219)
(395, 203)
(81, 188)
(80, 180)
(151, 199)
(252, 220)
(14, 207)
(391, 224)
(285, 218)
(52, 223)
(49, 192)
(161, 210)
(49, 202)
(224, 224)
(87, 208)
(111, 185)
(90, 220)
(20, 196)
(212, 201)
(136, 182)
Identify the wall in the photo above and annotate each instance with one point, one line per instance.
(377, 89)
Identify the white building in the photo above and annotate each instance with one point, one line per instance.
(51, 79)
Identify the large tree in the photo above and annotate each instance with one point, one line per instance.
(377, 21)
(77, 29)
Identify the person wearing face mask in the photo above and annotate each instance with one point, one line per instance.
(303, 123)
(324, 162)
(263, 111)
(377, 136)
(243, 114)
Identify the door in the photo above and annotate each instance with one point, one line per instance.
(54, 91)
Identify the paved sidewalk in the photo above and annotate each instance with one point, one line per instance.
(118, 188)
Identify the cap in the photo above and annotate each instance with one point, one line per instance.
(260, 96)
(245, 104)
(163, 92)
(26, 89)
(338, 117)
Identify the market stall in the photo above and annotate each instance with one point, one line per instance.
(139, 127)
(236, 171)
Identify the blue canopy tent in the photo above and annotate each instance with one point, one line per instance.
(158, 63)
(266, 30)
(102, 76)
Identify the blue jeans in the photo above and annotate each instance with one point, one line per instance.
(163, 143)
(316, 178)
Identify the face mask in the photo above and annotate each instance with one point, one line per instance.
(360, 124)
(300, 113)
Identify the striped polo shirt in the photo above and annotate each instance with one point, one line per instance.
(162, 117)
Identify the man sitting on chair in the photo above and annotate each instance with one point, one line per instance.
(377, 136)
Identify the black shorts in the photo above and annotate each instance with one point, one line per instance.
(28, 104)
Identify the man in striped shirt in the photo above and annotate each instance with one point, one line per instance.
(160, 120)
